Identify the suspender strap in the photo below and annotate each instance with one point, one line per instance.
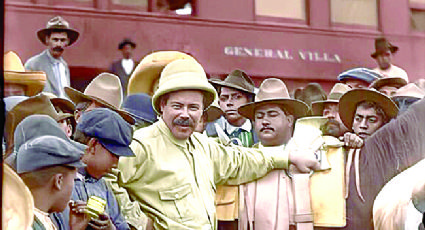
(303, 216)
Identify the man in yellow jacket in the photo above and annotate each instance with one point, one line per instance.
(174, 174)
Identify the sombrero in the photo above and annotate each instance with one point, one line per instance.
(14, 73)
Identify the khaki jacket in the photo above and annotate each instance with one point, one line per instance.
(174, 181)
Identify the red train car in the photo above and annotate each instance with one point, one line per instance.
(298, 41)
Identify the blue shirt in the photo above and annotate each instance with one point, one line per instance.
(86, 186)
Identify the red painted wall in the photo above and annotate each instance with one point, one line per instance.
(207, 35)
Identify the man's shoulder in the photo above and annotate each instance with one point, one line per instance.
(38, 58)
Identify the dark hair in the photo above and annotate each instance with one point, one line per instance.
(41, 177)
(373, 105)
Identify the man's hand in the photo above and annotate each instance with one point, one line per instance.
(304, 161)
(102, 223)
(351, 140)
(78, 219)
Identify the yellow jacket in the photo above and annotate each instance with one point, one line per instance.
(174, 181)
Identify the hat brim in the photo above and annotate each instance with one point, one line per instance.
(117, 150)
(135, 115)
(348, 104)
(391, 81)
(295, 107)
(393, 49)
(213, 113)
(317, 107)
(34, 81)
(77, 97)
(221, 83)
(72, 34)
(65, 105)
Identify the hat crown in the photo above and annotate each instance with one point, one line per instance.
(362, 74)
(240, 79)
(140, 105)
(388, 81)
(337, 91)
(409, 90)
(107, 87)
(272, 89)
(12, 62)
(57, 23)
(179, 67)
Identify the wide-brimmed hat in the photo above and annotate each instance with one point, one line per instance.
(382, 45)
(409, 90)
(39, 104)
(362, 74)
(139, 105)
(336, 93)
(237, 79)
(274, 91)
(145, 76)
(388, 81)
(18, 203)
(213, 112)
(126, 41)
(349, 101)
(105, 89)
(58, 24)
(14, 73)
(183, 74)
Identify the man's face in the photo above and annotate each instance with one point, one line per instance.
(230, 100)
(356, 84)
(67, 185)
(127, 51)
(56, 43)
(272, 125)
(101, 161)
(384, 60)
(388, 90)
(334, 126)
(182, 112)
(366, 122)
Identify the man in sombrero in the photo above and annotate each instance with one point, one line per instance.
(383, 55)
(57, 36)
(383, 150)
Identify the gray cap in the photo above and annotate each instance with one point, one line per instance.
(47, 151)
(109, 128)
(35, 126)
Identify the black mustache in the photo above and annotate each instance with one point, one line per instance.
(183, 122)
(331, 127)
(58, 49)
(266, 127)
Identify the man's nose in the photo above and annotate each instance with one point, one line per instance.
(330, 116)
(363, 124)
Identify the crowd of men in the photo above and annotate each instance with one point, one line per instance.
(163, 147)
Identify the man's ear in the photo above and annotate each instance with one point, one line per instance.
(91, 146)
(58, 181)
(290, 120)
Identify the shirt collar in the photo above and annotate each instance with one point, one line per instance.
(165, 130)
(83, 175)
(247, 126)
(52, 59)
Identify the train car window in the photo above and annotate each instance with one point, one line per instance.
(293, 9)
(357, 12)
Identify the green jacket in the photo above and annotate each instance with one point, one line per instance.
(174, 181)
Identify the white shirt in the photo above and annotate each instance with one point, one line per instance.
(128, 65)
(393, 71)
(44, 218)
(247, 126)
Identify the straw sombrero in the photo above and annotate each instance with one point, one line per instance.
(274, 91)
(18, 203)
(144, 78)
(14, 73)
(348, 104)
(105, 89)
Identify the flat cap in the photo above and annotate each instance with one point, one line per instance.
(47, 151)
(109, 128)
(362, 74)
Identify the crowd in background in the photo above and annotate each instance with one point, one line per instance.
(155, 144)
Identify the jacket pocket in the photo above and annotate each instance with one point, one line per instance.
(177, 202)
